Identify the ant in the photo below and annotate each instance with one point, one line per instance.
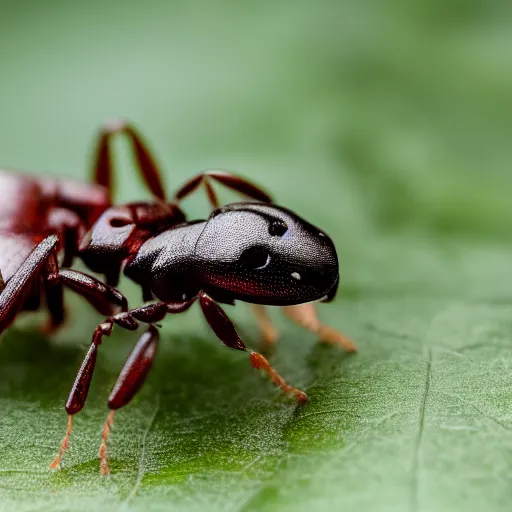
(255, 251)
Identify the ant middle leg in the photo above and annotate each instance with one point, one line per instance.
(130, 380)
(102, 171)
(102, 297)
(133, 374)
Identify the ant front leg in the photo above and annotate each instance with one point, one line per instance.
(226, 332)
(133, 374)
(102, 172)
(305, 315)
(269, 334)
(236, 183)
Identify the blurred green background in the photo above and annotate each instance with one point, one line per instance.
(386, 123)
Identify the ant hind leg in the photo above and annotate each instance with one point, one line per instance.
(14, 291)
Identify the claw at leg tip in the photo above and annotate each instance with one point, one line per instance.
(331, 336)
(55, 465)
(302, 398)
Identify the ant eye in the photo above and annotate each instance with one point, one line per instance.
(255, 258)
(277, 228)
(118, 223)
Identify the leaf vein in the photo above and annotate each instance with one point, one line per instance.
(419, 439)
(140, 472)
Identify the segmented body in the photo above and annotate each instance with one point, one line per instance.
(32, 208)
(255, 252)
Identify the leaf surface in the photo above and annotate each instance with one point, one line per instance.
(389, 128)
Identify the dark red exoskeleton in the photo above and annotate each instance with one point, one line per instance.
(255, 252)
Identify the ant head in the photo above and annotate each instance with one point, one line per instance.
(266, 254)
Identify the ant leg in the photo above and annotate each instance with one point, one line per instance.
(42, 263)
(54, 296)
(232, 181)
(16, 288)
(55, 303)
(135, 370)
(226, 332)
(269, 334)
(149, 313)
(147, 294)
(305, 316)
(71, 229)
(102, 172)
(131, 378)
(105, 433)
(77, 397)
(101, 296)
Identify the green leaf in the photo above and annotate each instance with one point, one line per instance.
(387, 125)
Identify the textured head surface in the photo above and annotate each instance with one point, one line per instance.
(266, 254)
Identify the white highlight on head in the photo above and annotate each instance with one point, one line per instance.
(296, 275)
(266, 263)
